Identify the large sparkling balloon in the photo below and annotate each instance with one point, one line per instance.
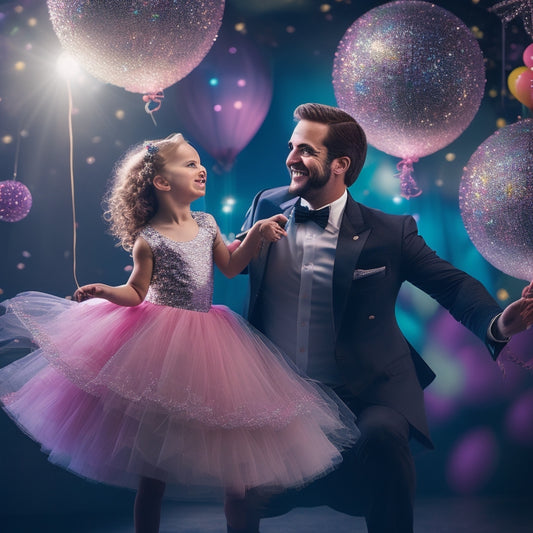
(142, 46)
(412, 74)
(226, 99)
(496, 199)
(15, 201)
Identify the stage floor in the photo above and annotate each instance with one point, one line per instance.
(487, 515)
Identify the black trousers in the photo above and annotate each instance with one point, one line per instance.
(376, 479)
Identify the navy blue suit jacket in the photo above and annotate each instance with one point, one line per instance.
(379, 364)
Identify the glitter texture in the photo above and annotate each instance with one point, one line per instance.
(143, 46)
(15, 201)
(509, 10)
(496, 199)
(183, 271)
(412, 74)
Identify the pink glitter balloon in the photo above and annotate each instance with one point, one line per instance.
(412, 75)
(496, 199)
(15, 201)
(143, 46)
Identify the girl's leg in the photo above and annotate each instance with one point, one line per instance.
(241, 516)
(147, 509)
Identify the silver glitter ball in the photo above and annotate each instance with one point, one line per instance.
(142, 46)
(496, 199)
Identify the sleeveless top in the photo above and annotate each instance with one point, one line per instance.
(182, 274)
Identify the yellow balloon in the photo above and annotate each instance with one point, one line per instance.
(511, 80)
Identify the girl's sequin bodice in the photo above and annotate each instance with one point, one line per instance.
(182, 274)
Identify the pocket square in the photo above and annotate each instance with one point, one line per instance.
(362, 273)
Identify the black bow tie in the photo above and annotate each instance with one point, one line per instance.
(303, 214)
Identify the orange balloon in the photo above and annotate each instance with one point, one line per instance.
(524, 88)
(511, 80)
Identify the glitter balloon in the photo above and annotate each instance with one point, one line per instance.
(496, 199)
(412, 74)
(142, 46)
(15, 201)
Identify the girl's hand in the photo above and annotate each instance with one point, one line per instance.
(94, 290)
(271, 229)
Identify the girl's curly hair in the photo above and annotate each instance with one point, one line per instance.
(131, 201)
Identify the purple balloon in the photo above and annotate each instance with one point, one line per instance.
(473, 461)
(15, 201)
(496, 199)
(412, 74)
(226, 98)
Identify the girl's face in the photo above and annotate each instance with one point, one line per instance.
(185, 173)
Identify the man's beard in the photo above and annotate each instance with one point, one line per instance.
(315, 180)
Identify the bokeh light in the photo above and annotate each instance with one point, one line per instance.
(473, 461)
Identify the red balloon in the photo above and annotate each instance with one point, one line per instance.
(226, 98)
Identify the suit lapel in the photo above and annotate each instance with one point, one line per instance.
(260, 261)
(285, 209)
(353, 235)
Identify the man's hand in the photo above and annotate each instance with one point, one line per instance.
(517, 316)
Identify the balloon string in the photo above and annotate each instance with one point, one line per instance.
(17, 151)
(504, 85)
(155, 98)
(408, 186)
(71, 164)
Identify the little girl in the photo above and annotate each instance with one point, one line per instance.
(148, 383)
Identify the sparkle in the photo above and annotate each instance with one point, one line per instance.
(495, 198)
(143, 47)
(412, 74)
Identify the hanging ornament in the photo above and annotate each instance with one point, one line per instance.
(495, 198)
(412, 75)
(15, 197)
(15, 201)
(509, 10)
(142, 46)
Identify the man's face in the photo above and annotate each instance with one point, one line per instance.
(307, 159)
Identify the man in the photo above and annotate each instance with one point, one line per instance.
(326, 294)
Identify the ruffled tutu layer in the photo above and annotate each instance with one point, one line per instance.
(191, 398)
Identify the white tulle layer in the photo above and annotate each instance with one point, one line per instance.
(114, 393)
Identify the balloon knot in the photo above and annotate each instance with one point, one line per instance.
(408, 186)
(153, 103)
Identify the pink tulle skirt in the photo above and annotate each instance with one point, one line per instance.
(113, 393)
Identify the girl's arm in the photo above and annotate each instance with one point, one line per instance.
(135, 289)
(233, 263)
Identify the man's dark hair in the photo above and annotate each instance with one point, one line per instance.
(345, 136)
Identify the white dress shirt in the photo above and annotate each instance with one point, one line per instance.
(296, 302)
